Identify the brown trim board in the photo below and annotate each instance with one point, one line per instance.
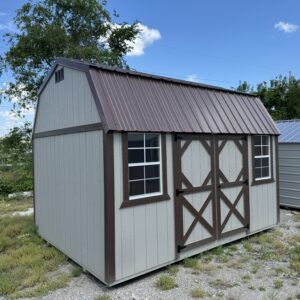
(109, 207)
(69, 130)
(128, 203)
(277, 178)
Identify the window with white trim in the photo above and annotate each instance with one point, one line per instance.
(262, 157)
(144, 165)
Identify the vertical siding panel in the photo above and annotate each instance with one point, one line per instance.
(70, 205)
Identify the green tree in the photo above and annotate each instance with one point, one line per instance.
(47, 29)
(281, 96)
(16, 160)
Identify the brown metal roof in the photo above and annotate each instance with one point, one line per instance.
(133, 101)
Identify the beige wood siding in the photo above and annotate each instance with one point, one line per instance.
(69, 197)
(67, 103)
(263, 204)
(144, 235)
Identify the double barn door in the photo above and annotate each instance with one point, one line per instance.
(211, 188)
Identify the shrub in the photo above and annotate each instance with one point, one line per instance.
(165, 282)
(197, 293)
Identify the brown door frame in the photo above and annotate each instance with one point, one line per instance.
(179, 193)
(243, 148)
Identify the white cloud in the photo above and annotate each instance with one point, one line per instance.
(8, 26)
(193, 78)
(286, 27)
(3, 14)
(145, 38)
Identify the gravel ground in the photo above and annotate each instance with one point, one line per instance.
(255, 268)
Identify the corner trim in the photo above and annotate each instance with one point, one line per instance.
(277, 179)
(69, 130)
(109, 207)
(128, 203)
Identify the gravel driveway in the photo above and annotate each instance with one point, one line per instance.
(256, 268)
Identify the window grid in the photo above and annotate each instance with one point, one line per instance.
(145, 164)
(261, 157)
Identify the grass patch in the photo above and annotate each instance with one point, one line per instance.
(295, 259)
(254, 268)
(296, 217)
(197, 293)
(191, 263)
(173, 270)
(166, 282)
(278, 283)
(76, 271)
(217, 251)
(248, 246)
(262, 289)
(25, 260)
(246, 278)
(222, 284)
(8, 206)
(232, 248)
(103, 297)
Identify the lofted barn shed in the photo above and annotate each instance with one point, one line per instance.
(133, 172)
(289, 163)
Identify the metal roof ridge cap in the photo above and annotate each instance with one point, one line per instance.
(153, 76)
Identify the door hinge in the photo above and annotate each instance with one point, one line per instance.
(180, 248)
(178, 192)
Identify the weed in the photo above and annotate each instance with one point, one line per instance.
(221, 284)
(206, 268)
(192, 263)
(251, 287)
(197, 293)
(293, 240)
(267, 254)
(103, 297)
(173, 270)
(17, 204)
(223, 258)
(76, 271)
(248, 246)
(217, 251)
(254, 268)
(278, 283)
(296, 217)
(232, 248)
(246, 278)
(165, 282)
(262, 288)
(235, 264)
(295, 259)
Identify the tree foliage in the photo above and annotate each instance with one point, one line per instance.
(16, 160)
(47, 29)
(281, 96)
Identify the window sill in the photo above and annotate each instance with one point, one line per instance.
(263, 181)
(143, 201)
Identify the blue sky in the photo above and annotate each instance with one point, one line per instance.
(215, 42)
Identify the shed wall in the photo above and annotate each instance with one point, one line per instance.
(69, 196)
(67, 103)
(289, 172)
(144, 238)
(263, 204)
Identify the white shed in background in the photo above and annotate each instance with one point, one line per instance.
(289, 163)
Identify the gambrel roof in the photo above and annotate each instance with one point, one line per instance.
(134, 101)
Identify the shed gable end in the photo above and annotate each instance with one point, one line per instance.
(66, 103)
